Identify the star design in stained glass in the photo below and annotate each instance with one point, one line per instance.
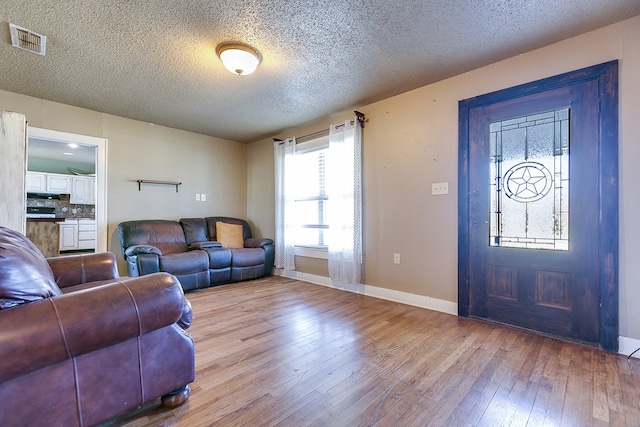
(527, 182)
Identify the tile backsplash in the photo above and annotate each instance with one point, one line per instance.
(64, 208)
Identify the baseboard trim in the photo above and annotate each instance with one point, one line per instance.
(626, 345)
(376, 292)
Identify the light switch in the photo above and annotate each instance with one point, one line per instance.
(439, 188)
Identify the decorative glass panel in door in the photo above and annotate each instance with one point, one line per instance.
(529, 181)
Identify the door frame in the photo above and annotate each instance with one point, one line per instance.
(101, 173)
(607, 76)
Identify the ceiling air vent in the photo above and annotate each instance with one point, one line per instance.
(27, 40)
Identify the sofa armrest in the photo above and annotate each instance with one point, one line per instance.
(142, 249)
(78, 269)
(205, 245)
(146, 264)
(56, 329)
(257, 243)
(142, 259)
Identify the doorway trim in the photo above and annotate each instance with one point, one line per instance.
(607, 76)
(101, 173)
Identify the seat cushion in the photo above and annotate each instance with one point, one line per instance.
(219, 257)
(185, 262)
(25, 274)
(247, 257)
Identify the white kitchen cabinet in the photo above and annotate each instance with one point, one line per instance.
(86, 233)
(68, 235)
(41, 182)
(77, 234)
(57, 183)
(83, 190)
(36, 182)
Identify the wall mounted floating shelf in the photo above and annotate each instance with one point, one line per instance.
(150, 181)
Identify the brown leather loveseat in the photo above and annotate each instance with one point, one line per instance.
(79, 345)
(201, 252)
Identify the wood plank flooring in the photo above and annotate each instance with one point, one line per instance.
(280, 352)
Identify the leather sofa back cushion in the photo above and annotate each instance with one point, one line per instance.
(25, 274)
(165, 235)
(195, 230)
(229, 235)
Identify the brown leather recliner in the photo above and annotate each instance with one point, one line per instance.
(256, 256)
(252, 258)
(78, 345)
(151, 246)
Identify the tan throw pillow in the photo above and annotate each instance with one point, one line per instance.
(229, 235)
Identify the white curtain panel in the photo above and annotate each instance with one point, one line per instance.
(344, 205)
(284, 249)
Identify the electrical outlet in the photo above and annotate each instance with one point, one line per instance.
(203, 197)
(396, 258)
(439, 188)
(197, 197)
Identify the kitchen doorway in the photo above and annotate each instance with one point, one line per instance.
(56, 140)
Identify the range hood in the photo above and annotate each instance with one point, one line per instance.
(43, 196)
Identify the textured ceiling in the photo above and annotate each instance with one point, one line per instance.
(155, 61)
(61, 153)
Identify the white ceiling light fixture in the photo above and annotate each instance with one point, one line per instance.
(239, 58)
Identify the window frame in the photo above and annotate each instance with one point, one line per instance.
(309, 250)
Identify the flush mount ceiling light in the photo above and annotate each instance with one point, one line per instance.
(239, 58)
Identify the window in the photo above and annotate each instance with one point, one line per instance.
(307, 191)
(318, 205)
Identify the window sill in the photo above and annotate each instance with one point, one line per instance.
(321, 253)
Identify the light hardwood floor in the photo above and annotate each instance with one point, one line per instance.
(279, 352)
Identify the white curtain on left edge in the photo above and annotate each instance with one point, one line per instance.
(284, 248)
(344, 206)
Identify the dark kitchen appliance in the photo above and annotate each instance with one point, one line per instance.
(40, 212)
(43, 196)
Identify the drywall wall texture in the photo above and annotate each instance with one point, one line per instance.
(138, 150)
(13, 131)
(411, 141)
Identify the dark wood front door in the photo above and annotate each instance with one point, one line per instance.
(538, 206)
